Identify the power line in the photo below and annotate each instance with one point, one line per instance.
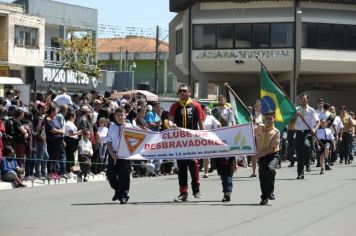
(116, 31)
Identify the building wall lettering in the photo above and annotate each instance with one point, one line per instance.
(280, 54)
(65, 76)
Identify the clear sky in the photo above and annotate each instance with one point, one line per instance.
(132, 13)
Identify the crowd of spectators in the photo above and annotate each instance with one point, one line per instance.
(63, 136)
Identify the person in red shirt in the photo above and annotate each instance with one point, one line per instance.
(187, 114)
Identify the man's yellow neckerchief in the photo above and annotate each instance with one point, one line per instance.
(184, 104)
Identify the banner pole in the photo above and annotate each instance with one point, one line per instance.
(233, 92)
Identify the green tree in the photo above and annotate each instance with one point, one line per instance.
(80, 55)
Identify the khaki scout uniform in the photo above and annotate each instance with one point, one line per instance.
(267, 137)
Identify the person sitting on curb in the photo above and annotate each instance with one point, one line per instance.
(10, 171)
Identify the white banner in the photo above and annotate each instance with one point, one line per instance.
(137, 144)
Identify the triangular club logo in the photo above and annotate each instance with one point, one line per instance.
(133, 140)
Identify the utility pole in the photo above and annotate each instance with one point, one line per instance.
(126, 60)
(120, 59)
(156, 60)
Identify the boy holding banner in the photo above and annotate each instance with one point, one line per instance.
(225, 166)
(119, 170)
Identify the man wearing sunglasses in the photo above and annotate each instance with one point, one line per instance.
(186, 114)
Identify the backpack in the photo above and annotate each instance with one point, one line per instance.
(9, 128)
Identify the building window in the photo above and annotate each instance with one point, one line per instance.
(281, 35)
(240, 36)
(179, 41)
(329, 36)
(243, 36)
(324, 36)
(338, 40)
(261, 36)
(26, 36)
(204, 37)
(351, 37)
(310, 35)
(225, 36)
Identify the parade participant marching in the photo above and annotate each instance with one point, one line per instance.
(347, 135)
(291, 142)
(326, 137)
(330, 123)
(225, 166)
(187, 114)
(337, 132)
(119, 170)
(210, 122)
(268, 145)
(304, 140)
(257, 117)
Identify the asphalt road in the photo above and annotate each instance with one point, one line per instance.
(317, 205)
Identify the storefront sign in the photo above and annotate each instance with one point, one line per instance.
(137, 144)
(245, 54)
(64, 76)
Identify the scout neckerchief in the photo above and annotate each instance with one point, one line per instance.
(184, 104)
(345, 118)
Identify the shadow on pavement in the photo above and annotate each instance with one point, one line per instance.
(95, 204)
(190, 203)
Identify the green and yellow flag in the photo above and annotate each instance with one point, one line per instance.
(239, 109)
(272, 98)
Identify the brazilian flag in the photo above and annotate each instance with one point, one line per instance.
(273, 98)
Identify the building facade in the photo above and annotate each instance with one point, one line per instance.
(21, 42)
(61, 20)
(309, 46)
(134, 58)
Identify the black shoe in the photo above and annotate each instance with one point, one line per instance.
(124, 200)
(183, 197)
(328, 168)
(253, 176)
(322, 171)
(226, 197)
(197, 195)
(115, 197)
(290, 165)
(272, 197)
(300, 177)
(317, 165)
(308, 169)
(264, 202)
(341, 161)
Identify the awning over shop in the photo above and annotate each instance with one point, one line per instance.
(151, 97)
(10, 80)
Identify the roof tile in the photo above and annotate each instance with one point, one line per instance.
(130, 43)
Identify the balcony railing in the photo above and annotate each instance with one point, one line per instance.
(52, 56)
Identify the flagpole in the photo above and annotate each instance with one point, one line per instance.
(238, 98)
(276, 83)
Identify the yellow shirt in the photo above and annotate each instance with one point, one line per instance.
(267, 137)
(347, 122)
